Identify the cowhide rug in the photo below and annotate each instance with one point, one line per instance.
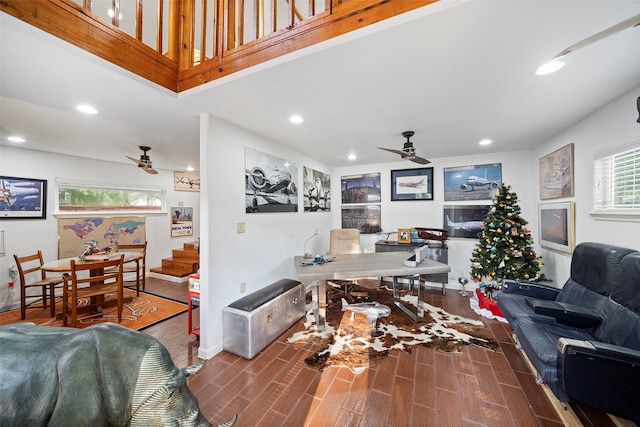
(348, 341)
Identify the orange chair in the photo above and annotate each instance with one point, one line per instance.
(98, 284)
(27, 266)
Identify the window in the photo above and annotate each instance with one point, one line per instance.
(617, 183)
(84, 197)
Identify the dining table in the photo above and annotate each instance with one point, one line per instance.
(63, 265)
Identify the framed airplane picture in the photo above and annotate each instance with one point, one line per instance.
(412, 184)
(23, 198)
(475, 182)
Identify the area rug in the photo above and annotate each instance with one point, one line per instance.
(139, 313)
(348, 341)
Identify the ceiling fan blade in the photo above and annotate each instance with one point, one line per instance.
(402, 153)
(420, 160)
(631, 22)
(150, 170)
(136, 161)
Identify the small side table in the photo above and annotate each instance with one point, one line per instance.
(194, 297)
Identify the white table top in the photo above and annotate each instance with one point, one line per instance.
(376, 264)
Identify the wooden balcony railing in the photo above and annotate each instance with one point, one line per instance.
(181, 44)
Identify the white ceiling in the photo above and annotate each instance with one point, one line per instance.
(454, 72)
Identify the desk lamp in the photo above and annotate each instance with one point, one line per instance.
(307, 254)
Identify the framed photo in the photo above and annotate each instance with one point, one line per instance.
(464, 220)
(317, 190)
(477, 182)
(412, 184)
(363, 188)
(364, 218)
(181, 221)
(556, 174)
(404, 235)
(557, 227)
(23, 198)
(271, 183)
(186, 181)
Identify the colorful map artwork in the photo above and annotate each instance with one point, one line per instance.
(73, 233)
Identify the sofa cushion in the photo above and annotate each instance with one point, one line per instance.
(620, 326)
(627, 290)
(539, 341)
(594, 265)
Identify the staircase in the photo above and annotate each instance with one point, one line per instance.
(182, 263)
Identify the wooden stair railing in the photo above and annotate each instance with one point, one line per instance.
(204, 38)
(182, 262)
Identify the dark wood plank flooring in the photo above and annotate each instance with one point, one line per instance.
(427, 387)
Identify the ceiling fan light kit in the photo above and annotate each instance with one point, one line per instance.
(408, 151)
(145, 161)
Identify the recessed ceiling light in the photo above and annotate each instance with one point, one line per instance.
(87, 109)
(296, 119)
(352, 157)
(16, 139)
(550, 67)
(190, 168)
(485, 142)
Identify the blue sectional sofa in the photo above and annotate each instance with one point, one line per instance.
(584, 339)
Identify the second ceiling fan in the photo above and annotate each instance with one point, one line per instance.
(408, 151)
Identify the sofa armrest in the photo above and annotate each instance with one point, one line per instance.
(566, 314)
(530, 289)
(601, 375)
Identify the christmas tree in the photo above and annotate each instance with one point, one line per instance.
(504, 250)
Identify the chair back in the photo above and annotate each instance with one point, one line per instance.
(344, 241)
(101, 274)
(29, 264)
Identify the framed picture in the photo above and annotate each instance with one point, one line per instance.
(477, 182)
(363, 188)
(186, 181)
(556, 174)
(181, 221)
(271, 183)
(404, 235)
(464, 220)
(556, 222)
(23, 198)
(412, 184)
(364, 218)
(317, 190)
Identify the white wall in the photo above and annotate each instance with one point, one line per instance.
(611, 126)
(261, 255)
(516, 171)
(24, 237)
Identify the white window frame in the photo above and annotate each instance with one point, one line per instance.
(604, 183)
(96, 185)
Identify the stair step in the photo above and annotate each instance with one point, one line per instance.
(188, 255)
(169, 272)
(182, 265)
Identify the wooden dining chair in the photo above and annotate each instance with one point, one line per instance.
(138, 265)
(28, 269)
(99, 283)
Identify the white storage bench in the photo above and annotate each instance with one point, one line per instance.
(253, 322)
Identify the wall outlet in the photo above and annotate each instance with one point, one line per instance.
(243, 287)
(240, 227)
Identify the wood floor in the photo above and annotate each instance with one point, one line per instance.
(476, 387)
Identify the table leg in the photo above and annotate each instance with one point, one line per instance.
(319, 302)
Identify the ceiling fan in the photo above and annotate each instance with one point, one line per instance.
(408, 152)
(145, 161)
(634, 21)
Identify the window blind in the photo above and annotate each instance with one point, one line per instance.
(617, 179)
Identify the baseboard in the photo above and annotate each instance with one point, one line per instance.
(169, 278)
